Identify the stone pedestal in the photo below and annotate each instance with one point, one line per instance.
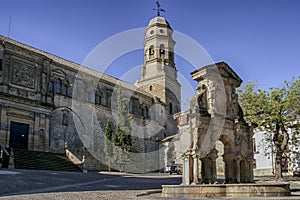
(226, 190)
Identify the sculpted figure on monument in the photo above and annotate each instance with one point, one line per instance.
(202, 100)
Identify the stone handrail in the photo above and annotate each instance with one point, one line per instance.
(4, 150)
(73, 158)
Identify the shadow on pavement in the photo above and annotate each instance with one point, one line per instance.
(17, 182)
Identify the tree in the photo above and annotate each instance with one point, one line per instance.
(122, 138)
(108, 148)
(275, 111)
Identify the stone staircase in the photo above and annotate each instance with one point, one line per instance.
(26, 159)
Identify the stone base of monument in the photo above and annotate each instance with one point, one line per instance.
(227, 190)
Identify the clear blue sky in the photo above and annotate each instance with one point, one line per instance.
(259, 39)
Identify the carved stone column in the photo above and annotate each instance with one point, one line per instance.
(195, 169)
(213, 156)
(237, 161)
(206, 170)
(186, 170)
(250, 167)
(229, 168)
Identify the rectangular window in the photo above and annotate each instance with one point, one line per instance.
(108, 97)
(65, 90)
(98, 100)
(51, 87)
(58, 86)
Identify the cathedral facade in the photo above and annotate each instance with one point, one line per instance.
(50, 104)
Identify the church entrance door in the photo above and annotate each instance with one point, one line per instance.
(18, 135)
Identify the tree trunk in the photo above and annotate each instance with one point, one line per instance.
(280, 143)
(278, 161)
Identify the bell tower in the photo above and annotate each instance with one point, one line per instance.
(159, 73)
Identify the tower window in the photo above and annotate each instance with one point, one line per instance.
(150, 88)
(162, 49)
(171, 108)
(151, 50)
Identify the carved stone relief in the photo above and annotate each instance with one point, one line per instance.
(23, 74)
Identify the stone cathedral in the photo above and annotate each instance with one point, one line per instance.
(51, 107)
(39, 93)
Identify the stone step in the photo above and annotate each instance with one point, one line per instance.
(26, 159)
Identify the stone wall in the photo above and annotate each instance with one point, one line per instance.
(67, 106)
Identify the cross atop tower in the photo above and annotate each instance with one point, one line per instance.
(159, 9)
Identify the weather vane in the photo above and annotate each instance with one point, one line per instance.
(159, 9)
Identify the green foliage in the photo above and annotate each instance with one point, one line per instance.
(108, 148)
(118, 143)
(122, 139)
(268, 107)
(275, 111)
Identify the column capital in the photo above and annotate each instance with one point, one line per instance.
(195, 156)
(213, 154)
(228, 156)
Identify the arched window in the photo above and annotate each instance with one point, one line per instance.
(171, 108)
(162, 49)
(151, 50)
(58, 86)
(150, 88)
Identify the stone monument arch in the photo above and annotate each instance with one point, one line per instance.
(215, 119)
(214, 115)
